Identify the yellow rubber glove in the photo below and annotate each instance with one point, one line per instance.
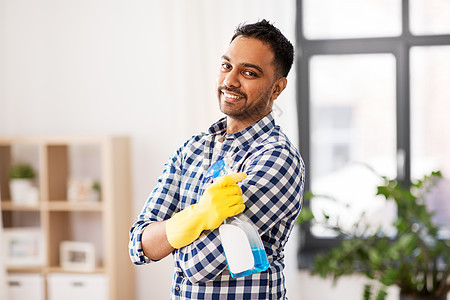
(221, 200)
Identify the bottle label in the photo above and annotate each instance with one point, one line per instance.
(237, 248)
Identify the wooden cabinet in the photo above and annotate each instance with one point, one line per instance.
(104, 222)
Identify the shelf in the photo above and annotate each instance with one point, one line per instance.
(61, 270)
(11, 206)
(65, 166)
(63, 205)
(52, 270)
(25, 269)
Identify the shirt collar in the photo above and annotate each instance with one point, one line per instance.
(248, 134)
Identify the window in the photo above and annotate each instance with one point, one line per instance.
(430, 17)
(373, 90)
(351, 18)
(430, 125)
(352, 124)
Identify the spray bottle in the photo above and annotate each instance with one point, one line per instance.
(244, 250)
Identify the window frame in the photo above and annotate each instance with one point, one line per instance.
(400, 47)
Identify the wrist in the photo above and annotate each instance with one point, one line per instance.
(184, 227)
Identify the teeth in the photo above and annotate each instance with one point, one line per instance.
(230, 96)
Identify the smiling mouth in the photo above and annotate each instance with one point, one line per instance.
(231, 97)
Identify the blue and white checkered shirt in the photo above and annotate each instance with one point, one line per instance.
(272, 195)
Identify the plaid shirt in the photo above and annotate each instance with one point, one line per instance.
(272, 195)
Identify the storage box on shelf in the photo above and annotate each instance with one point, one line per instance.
(25, 286)
(101, 221)
(75, 286)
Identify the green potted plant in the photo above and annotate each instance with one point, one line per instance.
(96, 191)
(21, 177)
(415, 259)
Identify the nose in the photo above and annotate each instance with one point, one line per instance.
(232, 79)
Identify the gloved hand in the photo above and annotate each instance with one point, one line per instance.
(221, 200)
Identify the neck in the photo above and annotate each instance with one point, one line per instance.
(234, 125)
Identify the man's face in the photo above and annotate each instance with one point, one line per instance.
(247, 83)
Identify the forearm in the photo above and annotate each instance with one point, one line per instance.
(203, 260)
(154, 241)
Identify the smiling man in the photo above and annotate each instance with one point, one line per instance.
(183, 212)
(248, 82)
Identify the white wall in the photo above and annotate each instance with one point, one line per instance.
(145, 69)
(2, 119)
(2, 65)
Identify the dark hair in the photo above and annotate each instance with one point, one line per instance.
(272, 36)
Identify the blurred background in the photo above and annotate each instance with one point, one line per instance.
(370, 86)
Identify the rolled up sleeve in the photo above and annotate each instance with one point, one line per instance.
(161, 204)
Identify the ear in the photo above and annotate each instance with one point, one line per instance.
(278, 87)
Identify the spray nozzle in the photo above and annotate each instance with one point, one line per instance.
(219, 168)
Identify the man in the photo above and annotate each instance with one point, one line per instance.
(183, 212)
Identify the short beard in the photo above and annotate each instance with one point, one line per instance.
(254, 113)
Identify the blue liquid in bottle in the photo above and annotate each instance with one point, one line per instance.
(261, 263)
(244, 250)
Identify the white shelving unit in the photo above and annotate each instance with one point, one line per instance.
(104, 223)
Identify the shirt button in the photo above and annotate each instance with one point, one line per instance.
(177, 288)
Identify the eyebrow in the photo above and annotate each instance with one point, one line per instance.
(248, 65)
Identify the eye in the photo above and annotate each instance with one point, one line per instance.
(250, 74)
(226, 66)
